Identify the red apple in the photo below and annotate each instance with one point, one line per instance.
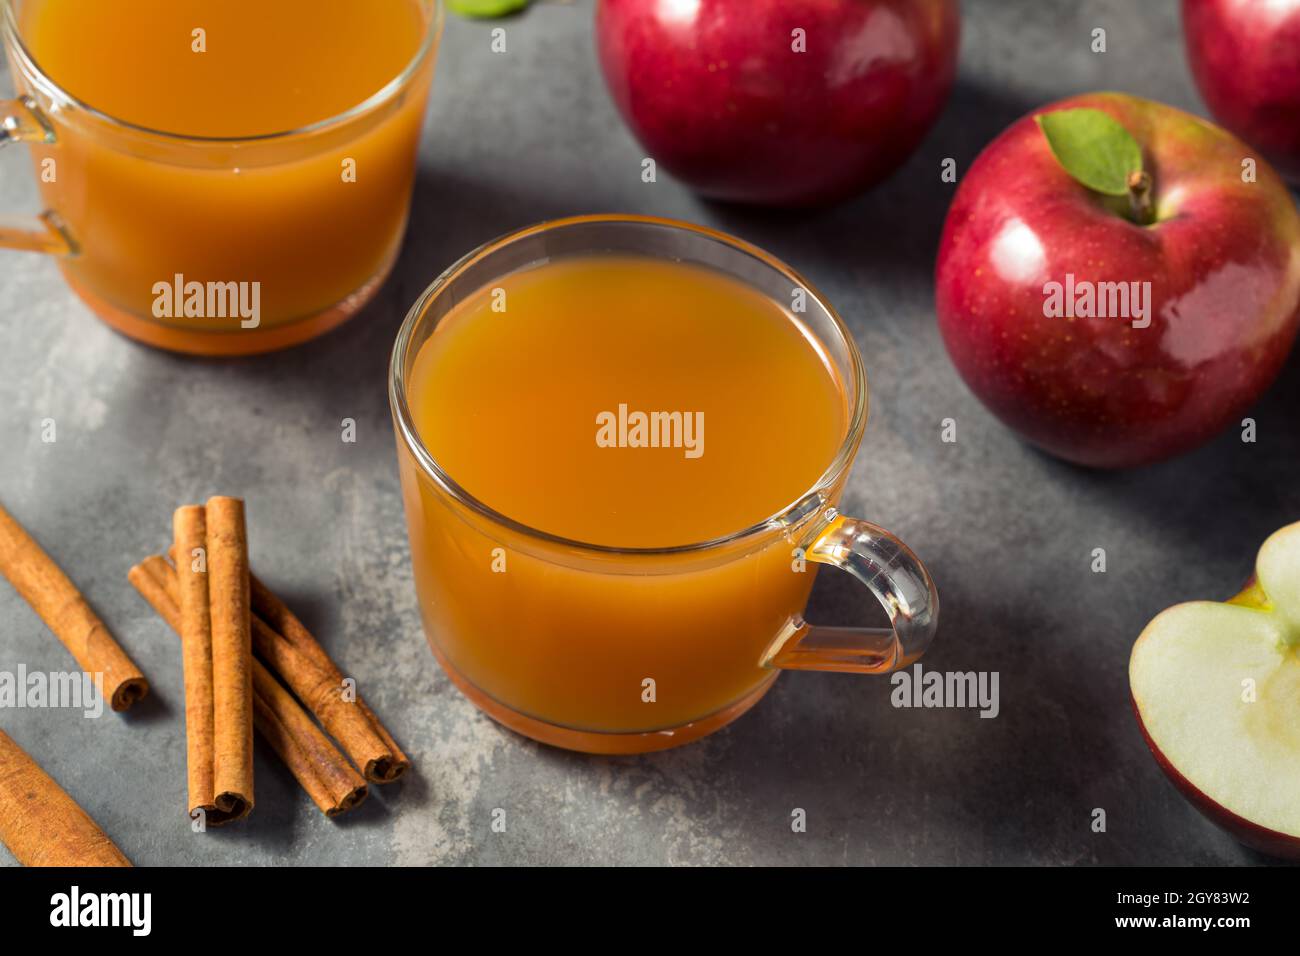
(1245, 55)
(721, 94)
(1216, 690)
(1221, 255)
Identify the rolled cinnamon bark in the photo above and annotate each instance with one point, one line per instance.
(189, 528)
(316, 763)
(212, 598)
(331, 782)
(232, 656)
(40, 824)
(40, 582)
(293, 653)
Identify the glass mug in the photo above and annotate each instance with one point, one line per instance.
(557, 647)
(282, 247)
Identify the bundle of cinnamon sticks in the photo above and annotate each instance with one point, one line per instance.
(248, 661)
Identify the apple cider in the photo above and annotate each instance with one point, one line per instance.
(626, 403)
(312, 220)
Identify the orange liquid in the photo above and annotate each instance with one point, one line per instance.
(510, 404)
(283, 212)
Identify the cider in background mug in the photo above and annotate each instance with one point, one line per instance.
(219, 178)
(607, 589)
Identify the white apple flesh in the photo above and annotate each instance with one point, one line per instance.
(1216, 687)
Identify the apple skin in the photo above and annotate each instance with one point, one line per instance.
(1223, 262)
(1245, 56)
(716, 95)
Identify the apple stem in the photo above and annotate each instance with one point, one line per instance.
(1139, 197)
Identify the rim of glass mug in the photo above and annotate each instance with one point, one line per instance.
(34, 73)
(808, 502)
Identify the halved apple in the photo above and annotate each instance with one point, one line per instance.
(1216, 687)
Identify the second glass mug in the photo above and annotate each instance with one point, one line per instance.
(128, 208)
(723, 617)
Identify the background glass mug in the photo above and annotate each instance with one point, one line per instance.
(129, 207)
(558, 647)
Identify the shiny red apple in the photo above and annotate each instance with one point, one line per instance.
(781, 102)
(1245, 55)
(1217, 266)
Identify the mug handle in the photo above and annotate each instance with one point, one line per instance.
(22, 121)
(892, 573)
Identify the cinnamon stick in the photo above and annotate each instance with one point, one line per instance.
(331, 782)
(40, 582)
(293, 653)
(40, 824)
(317, 764)
(216, 543)
(189, 527)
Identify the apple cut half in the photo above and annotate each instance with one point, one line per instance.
(1216, 688)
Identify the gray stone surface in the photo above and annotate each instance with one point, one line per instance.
(1007, 532)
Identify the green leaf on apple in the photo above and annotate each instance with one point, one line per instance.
(1093, 147)
(483, 9)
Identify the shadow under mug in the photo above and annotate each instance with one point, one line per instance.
(277, 243)
(558, 647)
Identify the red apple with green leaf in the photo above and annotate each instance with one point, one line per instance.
(1114, 283)
(781, 102)
(1245, 56)
(1216, 689)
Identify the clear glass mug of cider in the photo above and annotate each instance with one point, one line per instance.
(219, 178)
(621, 442)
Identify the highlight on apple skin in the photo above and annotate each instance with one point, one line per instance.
(779, 102)
(1245, 57)
(1207, 243)
(1216, 692)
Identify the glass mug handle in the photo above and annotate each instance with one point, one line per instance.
(892, 573)
(21, 121)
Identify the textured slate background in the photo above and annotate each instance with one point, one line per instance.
(1007, 532)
